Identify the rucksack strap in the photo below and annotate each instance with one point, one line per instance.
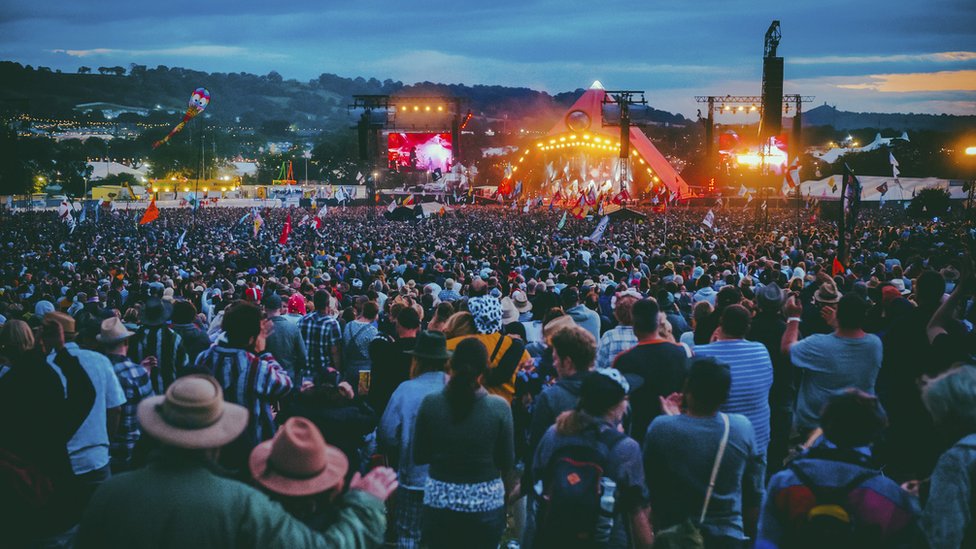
(715, 467)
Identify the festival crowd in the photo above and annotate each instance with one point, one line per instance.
(486, 377)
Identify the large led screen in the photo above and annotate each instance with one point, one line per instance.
(419, 151)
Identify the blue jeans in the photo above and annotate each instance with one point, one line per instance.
(448, 529)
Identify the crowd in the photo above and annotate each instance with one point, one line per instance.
(485, 377)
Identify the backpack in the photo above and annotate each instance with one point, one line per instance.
(831, 522)
(576, 506)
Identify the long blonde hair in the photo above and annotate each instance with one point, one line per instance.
(460, 324)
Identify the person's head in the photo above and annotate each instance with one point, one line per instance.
(271, 302)
(407, 322)
(429, 354)
(701, 311)
(623, 310)
(322, 300)
(192, 415)
(951, 400)
(183, 312)
(296, 304)
(573, 351)
(603, 394)
(515, 330)
(113, 336)
(460, 324)
(297, 463)
(242, 323)
(467, 366)
(735, 322)
(486, 312)
(16, 338)
(370, 311)
(707, 386)
(852, 419)
(851, 312)
(929, 288)
(569, 297)
(646, 317)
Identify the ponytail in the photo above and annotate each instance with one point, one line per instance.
(468, 364)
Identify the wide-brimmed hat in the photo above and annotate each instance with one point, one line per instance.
(66, 321)
(192, 414)
(487, 314)
(156, 312)
(770, 297)
(899, 284)
(827, 293)
(521, 301)
(297, 461)
(113, 331)
(430, 345)
(557, 324)
(509, 312)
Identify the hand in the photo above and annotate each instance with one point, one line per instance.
(912, 487)
(379, 483)
(671, 405)
(149, 363)
(345, 389)
(829, 314)
(792, 307)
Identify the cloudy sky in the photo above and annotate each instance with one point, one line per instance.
(867, 55)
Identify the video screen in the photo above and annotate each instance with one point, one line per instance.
(419, 151)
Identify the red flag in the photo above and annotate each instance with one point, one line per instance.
(152, 212)
(838, 268)
(285, 231)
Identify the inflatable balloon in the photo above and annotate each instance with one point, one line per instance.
(199, 100)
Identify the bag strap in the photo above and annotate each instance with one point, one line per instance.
(498, 347)
(715, 467)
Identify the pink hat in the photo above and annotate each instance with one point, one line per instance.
(297, 461)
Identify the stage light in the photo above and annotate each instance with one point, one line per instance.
(403, 108)
(186, 189)
(572, 136)
(552, 141)
(204, 189)
(586, 136)
(753, 108)
(223, 189)
(970, 151)
(427, 108)
(741, 108)
(440, 108)
(562, 139)
(416, 108)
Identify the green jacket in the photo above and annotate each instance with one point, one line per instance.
(178, 503)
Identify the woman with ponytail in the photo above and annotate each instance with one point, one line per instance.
(465, 434)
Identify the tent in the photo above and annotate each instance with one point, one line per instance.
(619, 213)
(586, 115)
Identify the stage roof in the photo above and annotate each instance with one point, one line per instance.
(591, 104)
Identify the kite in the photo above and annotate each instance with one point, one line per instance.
(198, 102)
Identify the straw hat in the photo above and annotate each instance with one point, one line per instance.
(113, 331)
(557, 324)
(66, 321)
(521, 301)
(510, 312)
(192, 414)
(827, 293)
(297, 461)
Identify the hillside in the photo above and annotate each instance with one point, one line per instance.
(249, 99)
(826, 115)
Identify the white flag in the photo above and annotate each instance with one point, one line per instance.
(179, 243)
(391, 207)
(709, 220)
(894, 165)
(600, 229)
(742, 191)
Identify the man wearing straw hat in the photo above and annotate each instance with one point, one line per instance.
(179, 500)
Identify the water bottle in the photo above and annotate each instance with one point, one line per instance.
(604, 522)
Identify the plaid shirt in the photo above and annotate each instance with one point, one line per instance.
(322, 335)
(252, 381)
(164, 344)
(136, 386)
(612, 343)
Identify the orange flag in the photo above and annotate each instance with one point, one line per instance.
(152, 212)
(838, 268)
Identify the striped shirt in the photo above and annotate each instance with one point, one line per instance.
(322, 335)
(167, 346)
(612, 343)
(251, 381)
(136, 386)
(752, 377)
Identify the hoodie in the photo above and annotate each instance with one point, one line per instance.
(551, 402)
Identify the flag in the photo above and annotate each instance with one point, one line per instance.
(562, 222)
(894, 165)
(838, 268)
(742, 191)
(285, 231)
(179, 243)
(409, 200)
(243, 217)
(600, 229)
(882, 188)
(152, 212)
(852, 202)
(833, 184)
(82, 216)
(591, 196)
(391, 207)
(320, 216)
(359, 177)
(258, 221)
(518, 188)
(791, 179)
(709, 220)
(527, 205)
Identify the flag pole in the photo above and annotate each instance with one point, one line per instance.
(841, 229)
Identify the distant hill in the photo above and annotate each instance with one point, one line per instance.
(245, 99)
(826, 115)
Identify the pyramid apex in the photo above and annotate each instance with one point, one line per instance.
(597, 85)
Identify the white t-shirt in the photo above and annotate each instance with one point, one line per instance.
(88, 448)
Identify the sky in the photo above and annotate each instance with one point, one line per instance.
(868, 55)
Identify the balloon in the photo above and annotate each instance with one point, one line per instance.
(199, 100)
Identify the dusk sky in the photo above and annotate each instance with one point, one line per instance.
(886, 56)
